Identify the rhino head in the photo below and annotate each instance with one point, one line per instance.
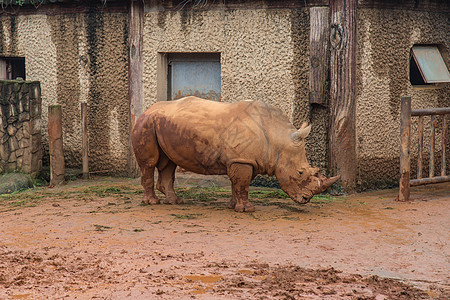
(296, 177)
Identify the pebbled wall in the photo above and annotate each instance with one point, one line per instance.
(385, 38)
(78, 57)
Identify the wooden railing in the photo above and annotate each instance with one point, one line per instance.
(405, 152)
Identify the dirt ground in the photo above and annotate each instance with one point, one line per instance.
(93, 239)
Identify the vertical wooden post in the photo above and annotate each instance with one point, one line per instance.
(432, 144)
(136, 20)
(318, 53)
(55, 141)
(84, 144)
(342, 136)
(405, 144)
(420, 148)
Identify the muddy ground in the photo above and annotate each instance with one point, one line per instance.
(93, 239)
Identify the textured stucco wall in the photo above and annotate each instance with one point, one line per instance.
(385, 38)
(264, 57)
(256, 50)
(78, 58)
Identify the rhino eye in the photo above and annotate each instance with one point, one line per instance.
(300, 172)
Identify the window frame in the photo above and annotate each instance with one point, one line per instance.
(164, 60)
(12, 63)
(416, 70)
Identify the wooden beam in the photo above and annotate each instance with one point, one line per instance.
(423, 181)
(55, 145)
(343, 92)
(430, 111)
(405, 149)
(432, 145)
(135, 66)
(318, 54)
(420, 148)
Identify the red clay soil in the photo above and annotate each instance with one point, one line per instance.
(94, 239)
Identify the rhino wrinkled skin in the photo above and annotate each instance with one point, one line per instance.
(238, 139)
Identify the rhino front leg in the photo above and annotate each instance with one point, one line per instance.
(240, 175)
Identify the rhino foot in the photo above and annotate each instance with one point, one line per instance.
(175, 200)
(150, 200)
(247, 208)
(231, 204)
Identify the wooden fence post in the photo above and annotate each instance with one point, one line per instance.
(55, 142)
(432, 145)
(405, 145)
(84, 144)
(420, 148)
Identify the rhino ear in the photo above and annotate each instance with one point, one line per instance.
(302, 133)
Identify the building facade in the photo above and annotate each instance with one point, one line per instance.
(122, 56)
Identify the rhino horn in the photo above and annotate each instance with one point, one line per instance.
(302, 133)
(330, 181)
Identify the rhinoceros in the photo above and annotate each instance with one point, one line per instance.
(240, 139)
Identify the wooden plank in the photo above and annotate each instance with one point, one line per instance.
(318, 53)
(67, 7)
(423, 181)
(405, 143)
(237, 4)
(420, 149)
(432, 145)
(136, 24)
(343, 92)
(84, 141)
(441, 6)
(430, 111)
(55, 143)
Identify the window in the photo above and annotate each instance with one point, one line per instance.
(189, 74)
(427, 66)
(12, 68)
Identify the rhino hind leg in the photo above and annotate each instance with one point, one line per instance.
(240, 175)
(166, 178)
(146, 151)
(147, 181)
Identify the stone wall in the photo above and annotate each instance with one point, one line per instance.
(20, 127)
